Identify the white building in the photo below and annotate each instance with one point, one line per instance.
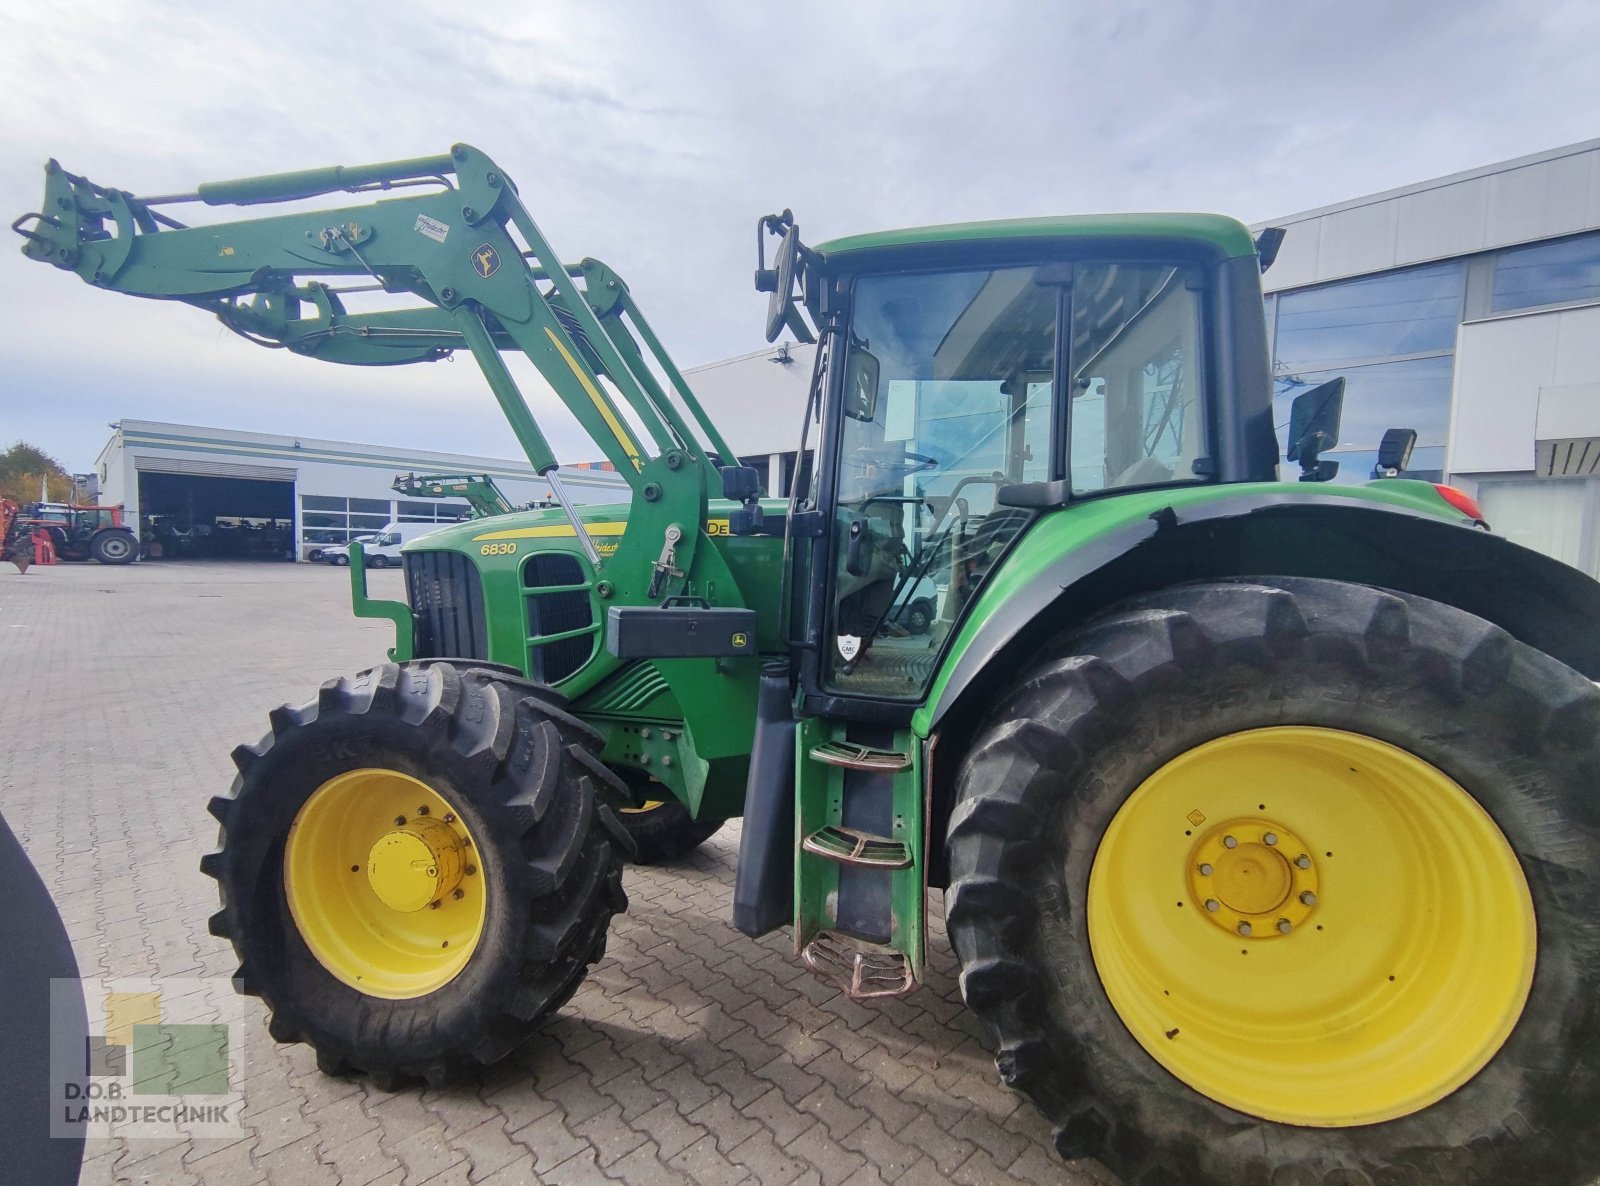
(1468, 309)
(212, 491)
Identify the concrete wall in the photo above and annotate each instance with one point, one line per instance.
(1511, 367)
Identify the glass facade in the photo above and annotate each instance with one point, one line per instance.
(325, 519)
(1414, 311)
(1552, 273)
(1392, 337)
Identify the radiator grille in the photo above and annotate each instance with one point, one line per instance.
(446, 599)
(557, 613)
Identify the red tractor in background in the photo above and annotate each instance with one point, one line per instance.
(39, 531)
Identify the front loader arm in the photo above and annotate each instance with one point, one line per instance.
(452, 231)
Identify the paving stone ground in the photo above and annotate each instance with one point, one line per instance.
(691, 1055)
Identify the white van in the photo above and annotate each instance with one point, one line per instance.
(382, 549)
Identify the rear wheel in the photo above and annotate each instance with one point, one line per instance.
(1292, 882)
(418, 866)
(662, 828)
(114, 547)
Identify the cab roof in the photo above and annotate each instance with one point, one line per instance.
(1227, 235)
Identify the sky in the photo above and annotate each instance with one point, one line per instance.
(653, 135)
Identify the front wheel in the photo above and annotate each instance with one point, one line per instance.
(418, 866)
(1292, 881)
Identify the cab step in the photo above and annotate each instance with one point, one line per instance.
(850, 756)
(851, 846)
(863, 971)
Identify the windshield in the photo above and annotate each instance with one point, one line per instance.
(948, 395)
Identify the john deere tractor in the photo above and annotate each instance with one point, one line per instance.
(1267, 812)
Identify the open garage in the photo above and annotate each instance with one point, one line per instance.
(190, 513)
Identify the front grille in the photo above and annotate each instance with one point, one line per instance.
(557, 613)
(446, 606)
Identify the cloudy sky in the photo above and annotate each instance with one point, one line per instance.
(652, 135)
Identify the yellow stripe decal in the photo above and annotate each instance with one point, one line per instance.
(558, 530)
(600, 403)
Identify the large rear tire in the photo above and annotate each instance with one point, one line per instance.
(418, 866)
(662, 828)
(114, 546)
(1244, 888)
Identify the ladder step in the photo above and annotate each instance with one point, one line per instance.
(864, 971)
(859, 757)
(851, 847)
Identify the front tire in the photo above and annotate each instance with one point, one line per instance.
(409, 809)
(1438, 778)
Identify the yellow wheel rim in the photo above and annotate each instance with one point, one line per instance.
(647, 805)
(1311, 926)
(384, 884)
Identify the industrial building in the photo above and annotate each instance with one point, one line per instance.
(1466, 308)
(211, 492)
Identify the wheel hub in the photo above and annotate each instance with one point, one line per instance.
(385, 882)
(1254, 878)
(415, 864)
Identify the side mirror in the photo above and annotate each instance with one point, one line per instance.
(1314, 426)
(1394, 452)
(861, 385)
(778, 280)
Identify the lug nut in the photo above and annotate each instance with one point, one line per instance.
(1270, 838)
(470, 870)
(1213, 905)
(423, 810)
(458, 893)
(1244, 928)
(1284, 926)
(1229, 842)
(399, 821)
(1302, 861)
(449, 817)
(1308, 898)
(434, 905)
(1205, 869)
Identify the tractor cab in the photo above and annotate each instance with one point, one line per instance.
(972, 377)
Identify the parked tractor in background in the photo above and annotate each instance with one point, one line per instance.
(482, 495)
(1266, 812)
(72, 532)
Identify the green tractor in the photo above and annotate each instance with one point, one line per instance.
(1265, 812)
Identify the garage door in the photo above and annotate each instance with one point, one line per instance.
(203, 509)
(212, 469)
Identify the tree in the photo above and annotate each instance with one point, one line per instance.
(21, 468)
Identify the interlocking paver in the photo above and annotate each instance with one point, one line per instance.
(361, 1159)
(692, 1053)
